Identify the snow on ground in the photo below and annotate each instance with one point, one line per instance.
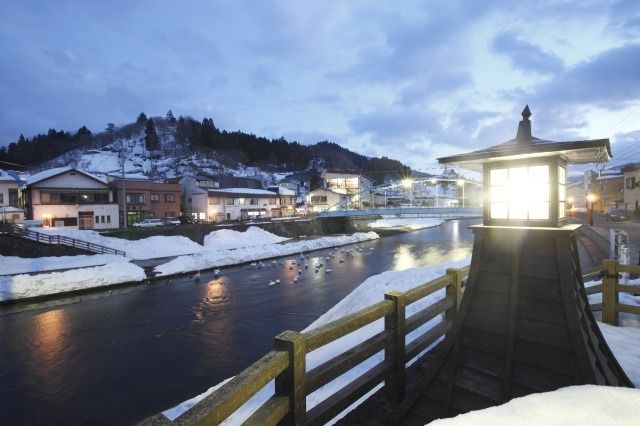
(574, 405)
(415, 223)
(229, 239)
(21, 286)
(10, 265)
(146, 248)
(217, 258)
(599, 402)
(624, 319)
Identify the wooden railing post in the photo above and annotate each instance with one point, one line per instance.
(610, 292)
(292, 382)
(454, 290)
(394, 351)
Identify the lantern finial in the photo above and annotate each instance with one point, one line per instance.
(524, 127)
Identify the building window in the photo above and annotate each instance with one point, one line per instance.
(230, 201)
(135, 198)
(1, 197)
(97, 219)
(154, 197)
(562, 192)
(102, 219)
(631, 182)
(169, 198)
(319, 199)
(214, 200)
(108, 218)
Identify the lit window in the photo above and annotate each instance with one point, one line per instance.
(520, 193)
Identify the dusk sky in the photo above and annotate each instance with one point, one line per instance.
(409, 80)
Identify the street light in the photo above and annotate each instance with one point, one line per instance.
(460, 183)
(408, 183)
(524, 250)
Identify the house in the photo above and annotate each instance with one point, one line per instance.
(322, 199)
(608, 188)
(146, 199)
(356, 187)
(226, 204)
(195, 191)
(631, 173)
(9, 199)
(68, 197)
(286, 201)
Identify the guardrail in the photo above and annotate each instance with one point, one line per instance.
(62, 240)
(286, 363)
(611, 288)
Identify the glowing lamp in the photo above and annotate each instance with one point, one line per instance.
(525, 178)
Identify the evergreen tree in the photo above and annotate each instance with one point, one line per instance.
(170, 118)
(142, 119)
(151, 139)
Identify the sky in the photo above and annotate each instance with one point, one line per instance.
(410, 80)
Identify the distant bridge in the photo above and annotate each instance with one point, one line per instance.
(407, 212)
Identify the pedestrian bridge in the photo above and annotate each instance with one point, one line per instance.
(407, 212)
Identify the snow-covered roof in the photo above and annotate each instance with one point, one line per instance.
(9, 209)
(247, 191)
(7, 176)
(47, 174)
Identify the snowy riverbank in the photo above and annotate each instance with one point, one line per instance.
(221, 248)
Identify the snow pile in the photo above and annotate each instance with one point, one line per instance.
(10, 265)
(21, 286)
(212, 259)
(559, 406)
(574, 405)
(229, 239)
(413, 223)
(146, 248)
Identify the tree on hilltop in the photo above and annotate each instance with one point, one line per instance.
(151, 139)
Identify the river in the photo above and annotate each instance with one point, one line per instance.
(119, 358)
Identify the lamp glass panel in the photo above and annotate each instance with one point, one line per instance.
(520, 193)
(499, 210)
(562, 191)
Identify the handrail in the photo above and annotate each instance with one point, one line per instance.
(610, 289)
(63, 240)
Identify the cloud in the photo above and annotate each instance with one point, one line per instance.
(524, 55)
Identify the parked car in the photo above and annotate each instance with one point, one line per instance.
(616, 214)
(148, 223)
(172, 221)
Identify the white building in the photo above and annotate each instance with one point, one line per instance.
(67, 197)
(322, 199)
(9, 200)
(356, 187)
(243, 203)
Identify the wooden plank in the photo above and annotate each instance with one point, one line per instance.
(629, 309)
(343, 326)
(336, 403)
(632, 269)
(328, 371)
(216, 407)
(545, 267)
(481, 361)
(539, 288)
(543, 356)
(427, 313)
(270, 413)
(551, 312)
(394, 350)
(497, 282)
(596, 307)
(479, 383)
(540, 379)
(543, 333)
(291, 383)
(417, 293)
(483, 340)
(489, 321)
(631, 289)
(593, 289)
(610, 292)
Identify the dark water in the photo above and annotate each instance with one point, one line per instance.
(118, 359)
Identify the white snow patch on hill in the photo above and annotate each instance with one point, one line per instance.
(230, 239)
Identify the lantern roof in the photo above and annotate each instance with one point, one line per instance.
(524, 145)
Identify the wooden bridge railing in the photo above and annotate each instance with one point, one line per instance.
(611, 288)
(286, 364)
(54, 239)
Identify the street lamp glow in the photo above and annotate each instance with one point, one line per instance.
(591, 197)
(434, 181)
(407, 183)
